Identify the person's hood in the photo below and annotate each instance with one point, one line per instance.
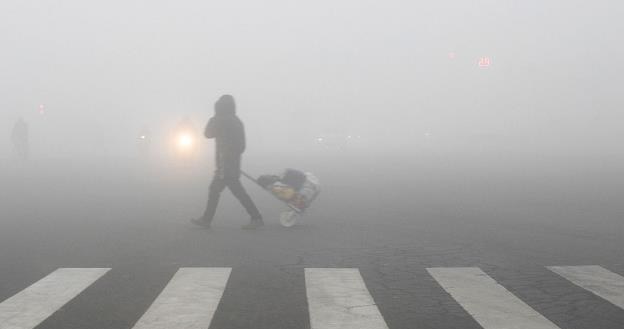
(225, 106)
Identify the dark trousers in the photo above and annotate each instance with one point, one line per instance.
(217, 186)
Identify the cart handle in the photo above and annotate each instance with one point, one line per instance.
(250, 178)
(297, 210)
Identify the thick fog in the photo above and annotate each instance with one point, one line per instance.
(376, 77)
(457, 164)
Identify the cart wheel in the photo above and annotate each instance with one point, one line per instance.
(289, 218)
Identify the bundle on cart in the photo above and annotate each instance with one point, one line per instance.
(296, 188)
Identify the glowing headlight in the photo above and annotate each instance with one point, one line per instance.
(185, 141)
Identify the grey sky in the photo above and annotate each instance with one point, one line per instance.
(378, 68)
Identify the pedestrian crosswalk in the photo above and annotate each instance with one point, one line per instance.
(489, 303)
(36, 303)
(188, 301)
(336, 297)
(596, 279)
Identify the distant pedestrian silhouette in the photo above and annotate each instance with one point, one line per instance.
(229, 134)
(19, 138)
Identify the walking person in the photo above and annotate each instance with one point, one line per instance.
(19, 138)
(229, 134)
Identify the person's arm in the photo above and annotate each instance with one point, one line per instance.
(210, 131)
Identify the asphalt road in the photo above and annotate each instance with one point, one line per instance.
(392, 220)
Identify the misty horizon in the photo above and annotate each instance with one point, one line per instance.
(399, 75)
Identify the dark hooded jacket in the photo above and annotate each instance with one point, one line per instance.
(229, 134)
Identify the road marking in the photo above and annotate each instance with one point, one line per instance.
(489, 303)
(596, 279)
(338, 298)
(31, 306)
(189, 300)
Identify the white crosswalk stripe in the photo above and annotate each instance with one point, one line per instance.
(188, 301)
(34, 304)
(489, 303)
(338, 298)
(596, 279)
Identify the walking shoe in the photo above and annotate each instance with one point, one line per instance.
(253, 224)
(201, 222)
